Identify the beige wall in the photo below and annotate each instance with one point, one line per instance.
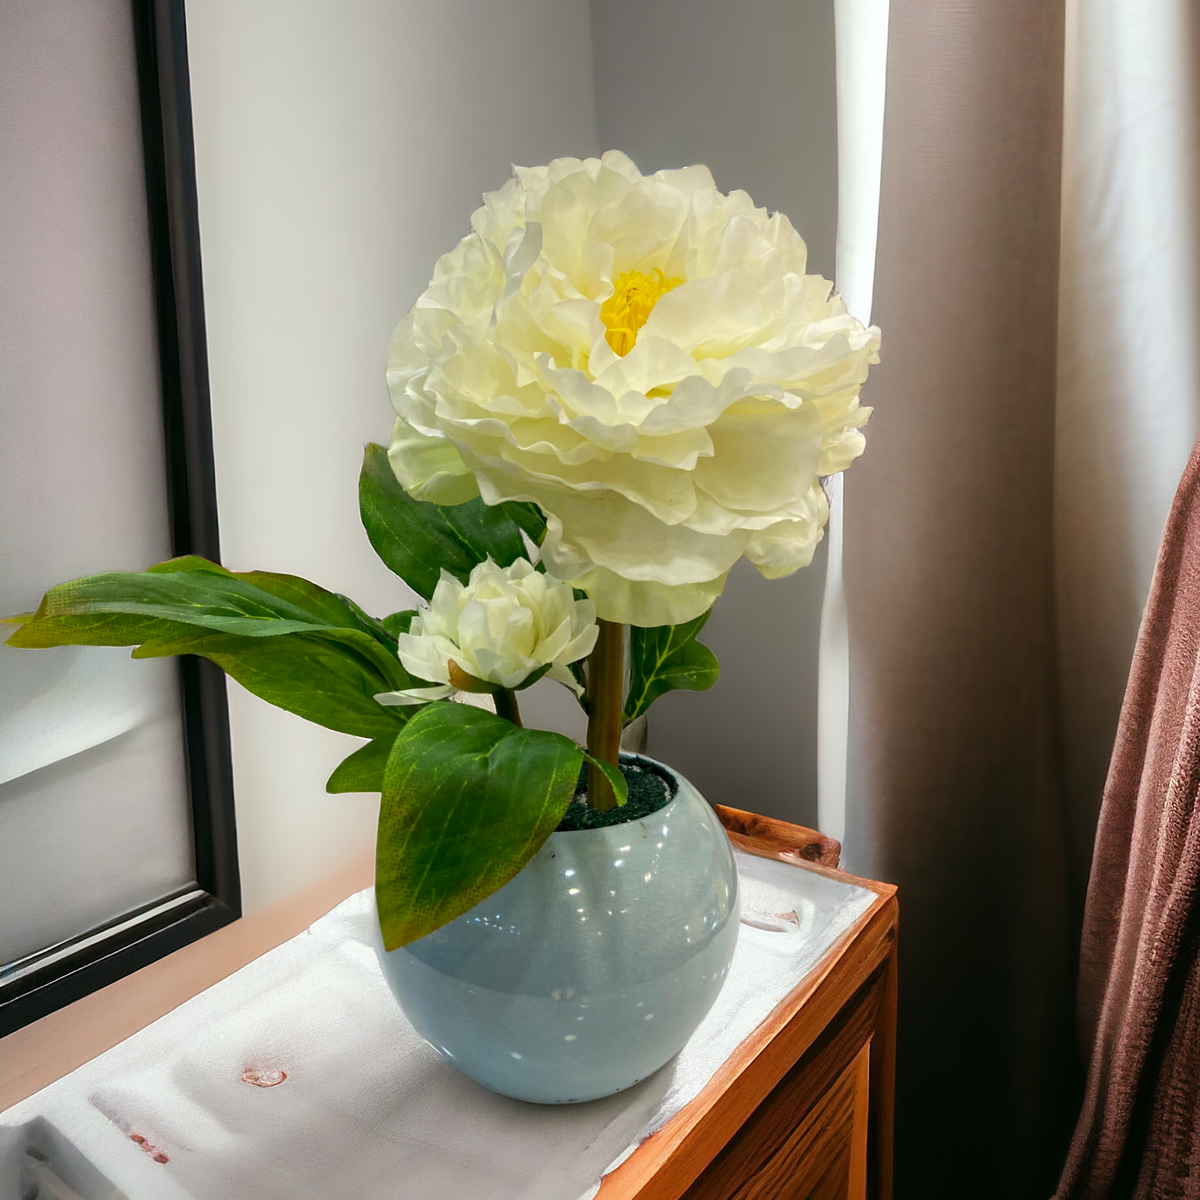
(340, 148)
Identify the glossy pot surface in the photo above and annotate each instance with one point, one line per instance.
(591, 968)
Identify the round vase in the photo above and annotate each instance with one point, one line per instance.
(589, 969)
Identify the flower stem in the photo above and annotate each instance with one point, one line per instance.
(506, 705)
(606, 680)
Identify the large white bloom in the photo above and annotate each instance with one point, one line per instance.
(505, 625)
(646, 359)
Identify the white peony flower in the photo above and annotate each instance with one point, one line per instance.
(646, 359)
(504, 626)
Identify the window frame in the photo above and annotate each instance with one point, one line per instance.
(57, 975)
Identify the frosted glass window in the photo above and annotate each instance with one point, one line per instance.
(95, 818)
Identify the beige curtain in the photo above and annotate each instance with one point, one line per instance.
(1037, 281)
(1001, 531)
(1128, 401)
(953, 789)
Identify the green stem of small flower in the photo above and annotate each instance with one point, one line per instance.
(506, 705)
(606, 685)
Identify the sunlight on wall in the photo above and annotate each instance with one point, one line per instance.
(339, 150)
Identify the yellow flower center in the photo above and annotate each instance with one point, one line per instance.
(628, 308)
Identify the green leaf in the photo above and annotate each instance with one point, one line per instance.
(372, 624)
(616, 779)
(286, 640)
(417, 539)
(576, 669)
(363, 770)
(399, 622)
(529, 517)
(664, 658)
(468, 800)
(301, 676)
(532, 678)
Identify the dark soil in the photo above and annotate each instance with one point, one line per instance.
(650, 788)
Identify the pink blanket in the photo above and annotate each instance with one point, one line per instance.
(1139, 1131)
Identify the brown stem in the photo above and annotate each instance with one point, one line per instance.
(506, 705)
(606, 679)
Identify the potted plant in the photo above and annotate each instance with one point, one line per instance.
(614, 387)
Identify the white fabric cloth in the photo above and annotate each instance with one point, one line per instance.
(1128, 404)
(861, 39)
(369, 1110)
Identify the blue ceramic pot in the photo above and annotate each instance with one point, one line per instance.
(591, 968)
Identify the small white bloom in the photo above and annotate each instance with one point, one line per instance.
(504, 626)
(648, 360)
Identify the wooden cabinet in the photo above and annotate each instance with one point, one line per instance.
(803, 1109)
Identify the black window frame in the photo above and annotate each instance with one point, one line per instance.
(58, 975)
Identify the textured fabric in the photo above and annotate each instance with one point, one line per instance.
(953, 788)
(1139, 1132)
(1127, 407)
(345, 1099)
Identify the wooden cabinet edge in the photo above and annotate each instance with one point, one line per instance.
(772, 838)
(672, 1158)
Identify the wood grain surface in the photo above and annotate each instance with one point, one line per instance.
(769, 838)
(822, 1090)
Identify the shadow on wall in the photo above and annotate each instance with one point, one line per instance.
(748, 89)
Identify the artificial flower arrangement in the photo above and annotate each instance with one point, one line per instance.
(614, 387)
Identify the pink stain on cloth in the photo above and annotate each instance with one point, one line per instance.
(264, 1077)
(154, 1152)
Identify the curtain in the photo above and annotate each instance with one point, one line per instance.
(1128, 401)
(861, 28)
(1031, 424)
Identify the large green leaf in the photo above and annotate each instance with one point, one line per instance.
(284, 639)
(664, 658)
(310, 676)
(363, 770)
(468, 800)
(417, 539)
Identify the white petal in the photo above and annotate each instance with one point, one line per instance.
(414, 696)
(655, 470)
(506, 669)
(609, 531)
(562, 675)
(765, 456)
(647, 604)
(430, 468)
(583, 643)
(712, 318)
(426, 657)
(787, 546)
